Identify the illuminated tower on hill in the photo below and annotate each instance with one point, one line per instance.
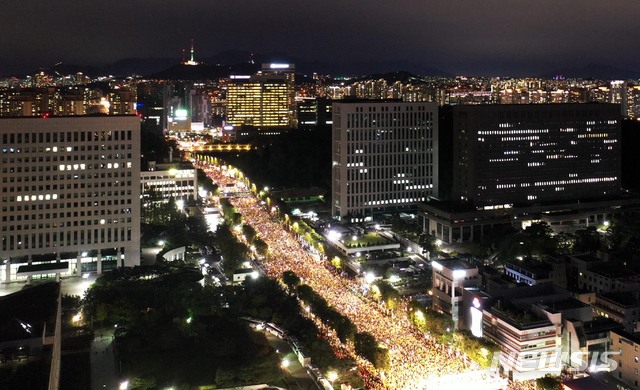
(191, 60)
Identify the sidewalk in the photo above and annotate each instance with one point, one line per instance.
(104, 374)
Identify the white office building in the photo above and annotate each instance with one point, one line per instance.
(450, 277)
(70, 195)
(385, 156)
(177, 182)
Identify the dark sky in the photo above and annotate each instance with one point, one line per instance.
(483, 37)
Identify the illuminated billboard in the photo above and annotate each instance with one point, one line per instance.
(279, 66)
(181, 114)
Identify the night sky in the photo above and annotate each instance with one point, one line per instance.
(488, 37)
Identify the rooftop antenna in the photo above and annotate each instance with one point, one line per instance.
(192, 50)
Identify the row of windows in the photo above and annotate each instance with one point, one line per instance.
(34, 206)
(387, 188)
(60, 187)
(75, 195)
(61, 239)
(402, 121)
(68, 136)
(68, 224)
(395, 108)
(69, 149)
(83, 179)
(68, 167)
(355, 201)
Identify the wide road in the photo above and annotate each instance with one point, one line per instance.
(417, 362)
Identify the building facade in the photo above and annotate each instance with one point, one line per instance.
(450, 278)
(169, 182)
(261, 101)
(70, 195)
(626, 356)
(536, 153)
(385, 156)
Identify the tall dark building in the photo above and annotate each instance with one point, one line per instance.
(506, 155)
(385, 156)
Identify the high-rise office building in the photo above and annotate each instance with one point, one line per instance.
(289, 73)
(385, 156)
(70, 195)
(261, 100)
(528, 154)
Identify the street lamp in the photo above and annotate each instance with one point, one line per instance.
(285, 363)
(124, 385)
(332, 376)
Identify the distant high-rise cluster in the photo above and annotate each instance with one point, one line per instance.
(478, 90)
(59, 100)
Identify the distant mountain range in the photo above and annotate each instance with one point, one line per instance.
(594, 71)
(220, 65)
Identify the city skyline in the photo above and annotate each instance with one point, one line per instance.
(492, 38)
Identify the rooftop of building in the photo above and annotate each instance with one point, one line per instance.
(550, 208)
(51, 116)
(350, 99)
(587, 258)
(535, 107)
(600, 324)
(635, 338)
(553, 306)
(454, 264)
(586, 383)
(540, 291)
(521, 318)
(159, 166)
(622, 298)
(27, 313)
(611, 271)
(530, 265)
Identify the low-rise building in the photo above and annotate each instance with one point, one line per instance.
(622, 307)
(529, 271)
(537, 328)
(606, 278)
(529, 343)
(165, 181)
(450, 277)
(626, 357)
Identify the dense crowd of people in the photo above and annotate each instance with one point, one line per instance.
(416, 360)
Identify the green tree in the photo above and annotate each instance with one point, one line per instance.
(587, 240)
(623, 234)
(249, 232)
(233, 252)
(549, 382)
(388, 295)
(367, 347)
(146, 382)
(291, 280)
(261, 247)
